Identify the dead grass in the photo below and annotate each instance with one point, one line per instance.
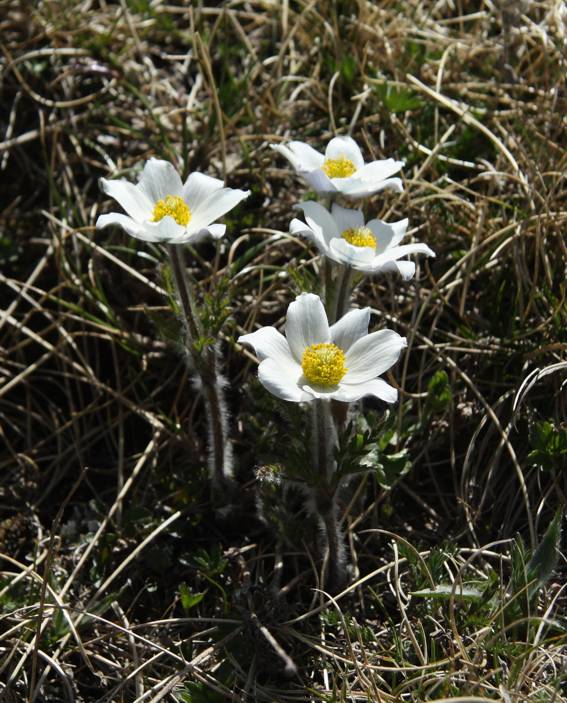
(118, 582)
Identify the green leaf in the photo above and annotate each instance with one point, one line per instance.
(544, 560)
(392, 467)
(444, 592)
(519, 558)
(398, 99)
(199, 693)
(302, 279)
(439, 395)
(549, 445)
(188, 598)
(348, 68)
(212, 562)
(168, 327)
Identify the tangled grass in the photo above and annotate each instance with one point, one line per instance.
(119, 581)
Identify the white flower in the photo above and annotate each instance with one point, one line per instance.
(342, 169)
(343, 236)
(314, 360)
(161, 208)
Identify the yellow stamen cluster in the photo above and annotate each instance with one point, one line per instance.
(175, 207)
(360, 237)
(338, 168)
(323, 364)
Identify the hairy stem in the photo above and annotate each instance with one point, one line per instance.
(206, 366)
(194, 327)
(330, 289)
(343, 296)
(329, 268)
(336, 565)
(220, 447)
(324, 442)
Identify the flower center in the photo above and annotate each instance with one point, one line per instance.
(338, 168)
(323, 364)
(360, 237)
(175, 207)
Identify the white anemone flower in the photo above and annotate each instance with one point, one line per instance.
(342, 168)
(315, 361)
(161, 208)
(343, 236)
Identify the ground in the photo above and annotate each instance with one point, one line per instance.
(122, 579)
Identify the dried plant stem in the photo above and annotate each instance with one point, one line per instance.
(206, 366)
(324, 442)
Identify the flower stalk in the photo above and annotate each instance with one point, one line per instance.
(193, 324)
(325, 493)
(344, 293)
(161, 208)
(212, 384)
(330, 289)
(320, 363)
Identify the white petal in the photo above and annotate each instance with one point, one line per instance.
(346, 218)
(347, 148)
(400, 229)
(217, 231)
(360, 258)
(165, 230)
(299, 228)
(283, 385)
(379, 170)
(267, 342)
(198, 187)
(377, 386)
(350, 327)
(383, 232)
(322, 392)
(320, 182)
(169, 231)
(308, 158)
(114, 218)
(194, 237)
(287, 153)
(319, 219)
(405, 268)
(372, 355)
(210, 231)
(301, 156)
(130, 197)
(357, 188)
(306, 324)
(216, 205)
(394, 253)
(159, 179)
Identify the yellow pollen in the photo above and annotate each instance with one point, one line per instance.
(338, 168)
(323, 364)
(175, 207)
(360, 237)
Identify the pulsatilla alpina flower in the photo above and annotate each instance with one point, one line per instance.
(343, 236)
(315, 361)
(342, 168)
(161, 208)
